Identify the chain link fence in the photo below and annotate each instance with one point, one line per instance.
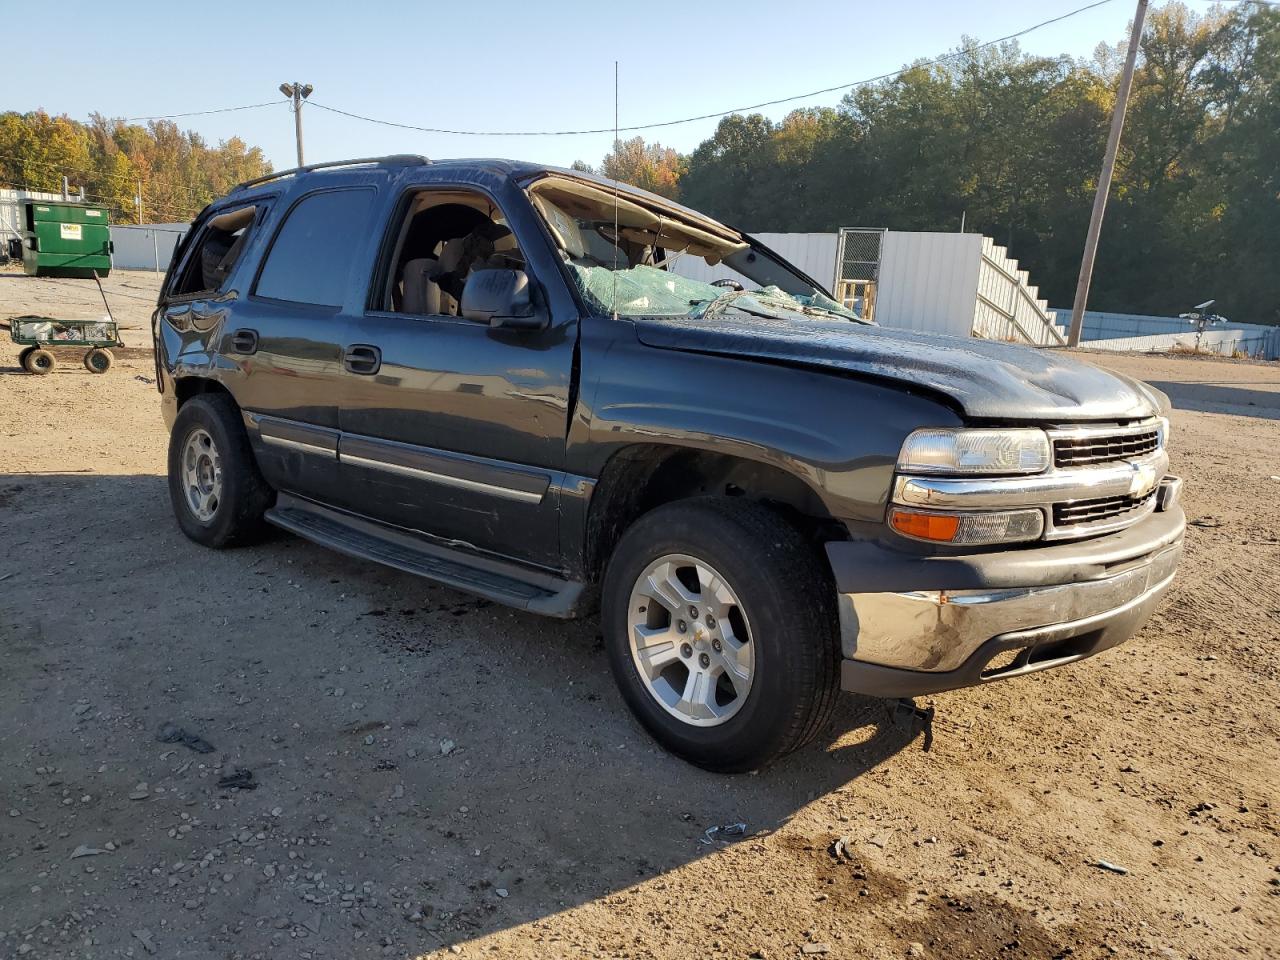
(858, 268)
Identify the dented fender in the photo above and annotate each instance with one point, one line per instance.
(838, 434)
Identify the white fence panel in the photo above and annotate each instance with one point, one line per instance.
(1224, 341)
(1103, 330)
(148, 246)
(11, 210)
(929, 281)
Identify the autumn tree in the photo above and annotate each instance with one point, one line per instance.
(107, 158)
(1011, 144)
(649, 166)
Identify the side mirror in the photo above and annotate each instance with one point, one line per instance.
(500, 298)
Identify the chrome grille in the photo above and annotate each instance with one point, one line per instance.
(1101, 509)
(1075, 451)
(1105, 477)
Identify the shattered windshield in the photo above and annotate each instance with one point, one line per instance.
(637, 261)
(644, 290)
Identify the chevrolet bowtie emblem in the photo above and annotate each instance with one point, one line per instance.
(1144, 479)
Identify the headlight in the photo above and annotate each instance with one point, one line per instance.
(971, 529)
(961, 451)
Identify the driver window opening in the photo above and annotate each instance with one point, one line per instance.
(446, 236)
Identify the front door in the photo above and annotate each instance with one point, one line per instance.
(460, 431)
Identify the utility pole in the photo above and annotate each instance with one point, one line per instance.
(299, 92)
(138, 201)
(1104, 178)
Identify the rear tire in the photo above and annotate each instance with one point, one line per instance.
(22, 356)
(218, 494)
(38, 361)
(764, 696)
(98, 360)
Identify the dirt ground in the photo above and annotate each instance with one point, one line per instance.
(441, 775)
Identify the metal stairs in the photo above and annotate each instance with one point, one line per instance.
(1009, 305)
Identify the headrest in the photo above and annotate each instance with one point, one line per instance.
(213, 253)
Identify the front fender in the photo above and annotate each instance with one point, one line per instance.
(839, 434)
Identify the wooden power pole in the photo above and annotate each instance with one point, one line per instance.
(1104, 178)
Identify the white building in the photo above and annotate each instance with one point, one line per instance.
(962, 284)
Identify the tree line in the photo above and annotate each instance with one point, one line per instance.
(178, 171)
(1010, 144)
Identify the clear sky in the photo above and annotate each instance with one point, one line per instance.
(491, 65)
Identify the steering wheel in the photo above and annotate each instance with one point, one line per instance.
(728, 283)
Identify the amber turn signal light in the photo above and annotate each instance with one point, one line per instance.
(926, 526)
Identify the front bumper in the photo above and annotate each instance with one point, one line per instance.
(912, 625)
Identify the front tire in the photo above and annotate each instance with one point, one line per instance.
(719, 622)
(218, 494)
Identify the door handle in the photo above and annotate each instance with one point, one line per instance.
(363, 359)
(245, 341)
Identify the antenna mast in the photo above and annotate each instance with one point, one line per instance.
(617, 237)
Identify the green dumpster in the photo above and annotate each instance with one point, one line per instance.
(64, 239)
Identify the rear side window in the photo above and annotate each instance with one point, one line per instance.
(216, 251)
(311, 258)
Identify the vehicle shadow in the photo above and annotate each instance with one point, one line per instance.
(1207, 396)
(473, 765)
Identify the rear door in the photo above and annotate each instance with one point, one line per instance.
(288, 338)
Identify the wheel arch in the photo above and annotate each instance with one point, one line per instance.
(641, 477)
(184, 388)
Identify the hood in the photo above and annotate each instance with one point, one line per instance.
(986, 379)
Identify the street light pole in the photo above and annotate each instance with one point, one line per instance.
(1104, 179)
(298, 92)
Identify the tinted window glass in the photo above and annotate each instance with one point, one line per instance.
(311, 257)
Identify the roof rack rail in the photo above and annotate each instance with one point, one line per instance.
(394, 160)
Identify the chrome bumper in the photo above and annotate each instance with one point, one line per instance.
(911, 643)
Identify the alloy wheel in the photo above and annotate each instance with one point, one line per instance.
(690, 640)
(202, 475)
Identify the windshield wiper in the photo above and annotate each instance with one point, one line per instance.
(829, 312)
(717, 306)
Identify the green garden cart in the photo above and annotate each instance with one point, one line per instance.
(40, 336)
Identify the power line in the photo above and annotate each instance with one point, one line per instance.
(122, 212)
(193, 194)
(201, 113)
(722, 113)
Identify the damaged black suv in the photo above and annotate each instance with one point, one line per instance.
(563, 394)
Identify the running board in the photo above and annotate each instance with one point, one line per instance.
(506, 583)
